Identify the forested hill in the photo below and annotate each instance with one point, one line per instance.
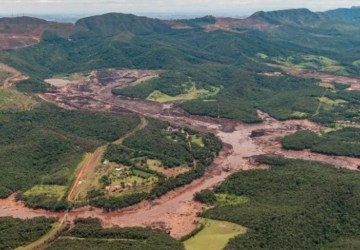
(351, 15)
(118, 40)
(115, 23)
(293, 17)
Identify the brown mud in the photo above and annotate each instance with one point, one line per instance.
(177, 212)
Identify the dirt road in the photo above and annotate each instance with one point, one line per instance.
(91, 161)
(16, 75)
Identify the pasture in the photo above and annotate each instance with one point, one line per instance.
(214, 236)
(55, 192)
(190, 94)
(13, 101)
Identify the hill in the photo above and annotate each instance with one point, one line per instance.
(22, 32)
(293, 17)
(115, 23)
(206, 73)
(351, 15)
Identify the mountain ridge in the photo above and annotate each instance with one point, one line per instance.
(20, 32)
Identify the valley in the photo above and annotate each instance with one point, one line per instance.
(176, 212)
(128, 132)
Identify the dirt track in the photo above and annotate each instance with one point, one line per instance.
(90, 162)
(16, 77)
(176, 211)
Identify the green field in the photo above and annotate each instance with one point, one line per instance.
(320, 63)
(190, 94)
(153, 164)
(227, 199)
(356, 63)
(198, 141)
(328, 101)
(54, 192)
(13, 101)
(214, 236)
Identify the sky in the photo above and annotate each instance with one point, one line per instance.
(213, 7)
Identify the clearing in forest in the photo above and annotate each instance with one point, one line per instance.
(13, 101)
(52, 191)
(214, 236)
(190, 94)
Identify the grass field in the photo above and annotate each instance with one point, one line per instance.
(310, 62)
(13, 101)
(52, 191)
(198, 141)
(153, 164)
(328, 101)
(191, 94)
(228, 199)
(214, 236)
(356, 63)
(298, 114)
(262, 56)
(327, 85)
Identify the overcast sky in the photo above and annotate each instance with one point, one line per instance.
(239, 7)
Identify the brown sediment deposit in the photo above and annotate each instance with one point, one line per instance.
(177, 212)
(354, 83)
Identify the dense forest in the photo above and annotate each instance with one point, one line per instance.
(192, 54)
(15, 233)
(89, 234)
(294, 205)
(345, 142)
(52, 143)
